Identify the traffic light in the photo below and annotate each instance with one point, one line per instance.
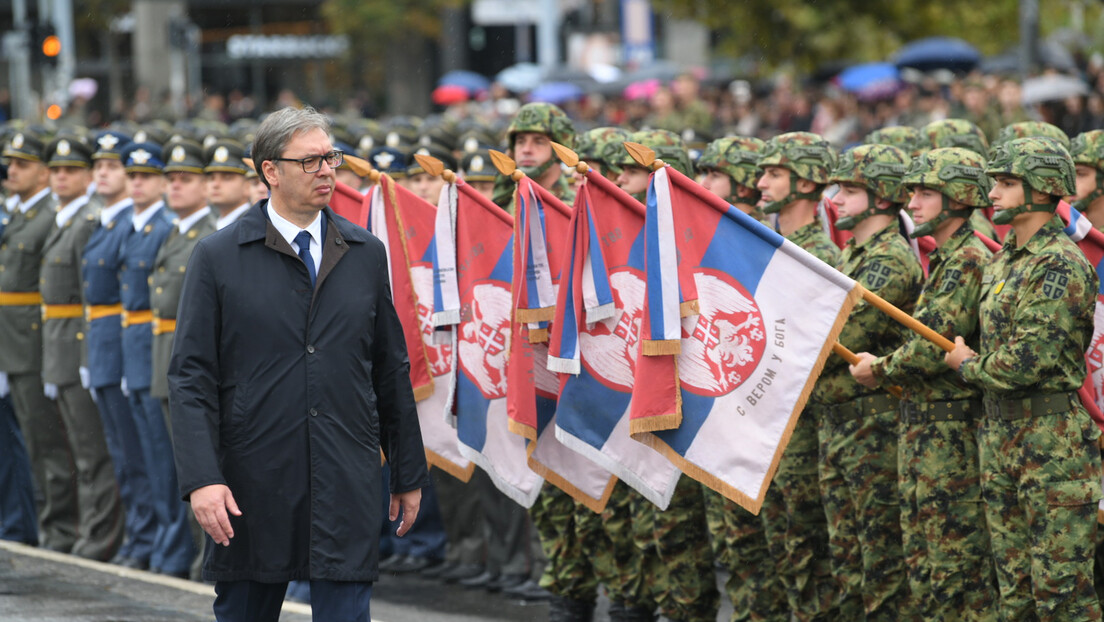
(46, 45)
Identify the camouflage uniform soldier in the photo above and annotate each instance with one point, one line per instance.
(904, 137)
(668, 147)
(1087, 150)
(964, 134)
(795, 171)
(530, 135)
(1030, 129)
(1040, 463)
(729, 170)
(946, 543)
(858, 425)
(601, 148)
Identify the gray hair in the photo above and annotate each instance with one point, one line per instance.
(277, 130)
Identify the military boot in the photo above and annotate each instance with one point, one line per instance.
(570, 610)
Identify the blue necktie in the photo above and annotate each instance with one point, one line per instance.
(303, 240)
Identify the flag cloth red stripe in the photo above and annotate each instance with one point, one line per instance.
(350, 204)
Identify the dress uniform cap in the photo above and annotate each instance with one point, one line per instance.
(183, 155)
(109, 145)
(68, 150)
(139, 157)
(225, 156)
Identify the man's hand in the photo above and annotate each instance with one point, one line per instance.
(410, 502)
(210, 505)
(961, 352)
(862, 372)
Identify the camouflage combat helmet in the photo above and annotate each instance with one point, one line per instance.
(1039, 163)
(1031, 129)
(956, 133)
(1087, 148)
(958, 174)
(667, 146)
(542, 118)
(737, 157)
(806, 156)
(907, 138)
(602, 144)
(879, 169)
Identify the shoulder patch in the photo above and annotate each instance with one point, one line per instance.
(951, 277)
(877, 275)
(1054, 284)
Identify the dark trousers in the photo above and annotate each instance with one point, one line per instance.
(121, 434)
(331, 601)
(18, 521)
(173, 549)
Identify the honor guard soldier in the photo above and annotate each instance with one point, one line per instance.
(100, 523)
(28, 226)
(728, 169)
(530, 136)
(1040, 463)
(946, 542)
(103, 341)
(795, 168)
(600, 147)
(858, 426)
(1087, 150)
(421, 183)
(478, 172)
(964, 134)
(151, 225)
(904, 137)
(227, 180)
(1031, 129)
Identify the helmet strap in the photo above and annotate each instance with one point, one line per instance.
(945, 214)
(795, 195)
(1005, 217)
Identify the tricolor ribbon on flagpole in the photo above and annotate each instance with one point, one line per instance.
(446, 291)
(665, 330)
(377, 221)
(536, 299)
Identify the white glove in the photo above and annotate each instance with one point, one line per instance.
(4, 388)
(50, 390)
(86, 377)
(123, 387)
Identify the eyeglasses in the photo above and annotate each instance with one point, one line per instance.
(312, 164)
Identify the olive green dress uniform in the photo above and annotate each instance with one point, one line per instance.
(1040, 463)
(858, 437)
(946, 542)
(21, 356)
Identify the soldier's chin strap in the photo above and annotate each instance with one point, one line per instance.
(945, 214)
(1005, 216)
(1084, 204)
(847, 223)
(776, 206)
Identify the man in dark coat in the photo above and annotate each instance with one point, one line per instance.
(288, 377)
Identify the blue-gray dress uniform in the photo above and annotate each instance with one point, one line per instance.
(100, 515)
(21, 354)
(172, 547)
(103, 353)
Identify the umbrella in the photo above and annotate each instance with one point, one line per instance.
(871, 81)
(556, 92)
(520, 77)
(449, 94)
(641, 90)
(938, 53)
(468, 80)
(1052, 87)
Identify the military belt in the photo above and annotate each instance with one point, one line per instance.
(20, 299)
(1034, 406)
(60, 312)
(947, 410)
(162, 326)
(96, 312)
(861, 407)
(130, 318)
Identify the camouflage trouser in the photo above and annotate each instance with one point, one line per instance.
(677, 559)
(946, 541)
(569, 572)
(1041, 481)
(740, 546)
(797, 530)
(858, 484)
(616, 558)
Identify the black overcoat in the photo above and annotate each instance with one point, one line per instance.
(287, 394)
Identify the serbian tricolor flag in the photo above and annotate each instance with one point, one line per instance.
(541, 234)
(595, 338)
(350, 204)
(768, 315)
(405, 223)
(1091, 242)
(473, 267)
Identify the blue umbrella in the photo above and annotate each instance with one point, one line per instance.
(520, 77)
(556, 92)
(938, 53)
(871, 80)
(469, 80)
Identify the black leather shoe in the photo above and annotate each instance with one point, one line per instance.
(506, 581)
(530, 590)
(480, 580)
(386, 564)
(434, 572)
(461, 572)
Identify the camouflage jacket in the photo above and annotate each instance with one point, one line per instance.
(948, 305)
(1037, 305)
(885, 265)
(812, 238)
(563, 190)
(983, 225)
